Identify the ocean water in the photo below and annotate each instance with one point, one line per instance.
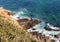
(45, 10)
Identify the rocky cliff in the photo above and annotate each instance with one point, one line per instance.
(11, 31)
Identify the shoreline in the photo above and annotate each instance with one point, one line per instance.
(44, 35)
(36, 30)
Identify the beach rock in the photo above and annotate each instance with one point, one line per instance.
(57, 36)
(27, 24)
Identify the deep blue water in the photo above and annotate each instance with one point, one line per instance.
(47, 10)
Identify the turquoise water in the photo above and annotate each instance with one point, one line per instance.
(46, 10)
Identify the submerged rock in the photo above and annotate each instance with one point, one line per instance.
(51, 28)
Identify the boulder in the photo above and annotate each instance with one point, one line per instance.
(57, 36)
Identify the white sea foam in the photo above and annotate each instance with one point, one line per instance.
(40, 29)
(20, 14)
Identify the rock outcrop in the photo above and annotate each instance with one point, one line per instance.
(43, 38)
(26, 23)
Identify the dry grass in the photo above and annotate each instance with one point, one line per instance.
(10, 32)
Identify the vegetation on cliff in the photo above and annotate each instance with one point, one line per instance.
(10, 32)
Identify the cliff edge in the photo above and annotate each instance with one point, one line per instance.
(10, 30)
